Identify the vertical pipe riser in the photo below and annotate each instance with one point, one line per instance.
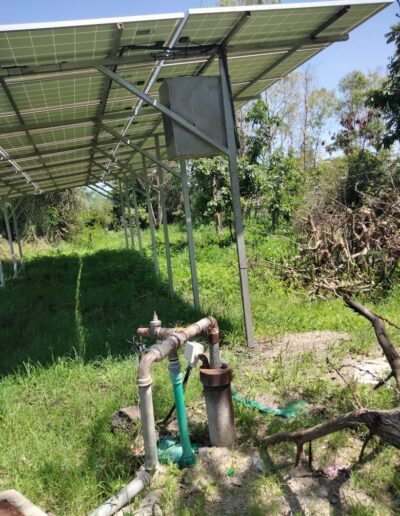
(219, 406)
(149, 427)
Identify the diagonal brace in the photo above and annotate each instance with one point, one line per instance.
(136, 148)
(162, 109)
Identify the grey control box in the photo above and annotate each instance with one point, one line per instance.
(199, 101)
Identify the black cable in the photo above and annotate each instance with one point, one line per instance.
(167, 418)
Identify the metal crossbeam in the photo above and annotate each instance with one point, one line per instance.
(89, 64)
(224, 41)
(105, 91)
(21, 120)
(138, 149)
(313, 37)
(100, 193)
(16, 129)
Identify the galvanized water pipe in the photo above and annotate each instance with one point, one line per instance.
(174, 338)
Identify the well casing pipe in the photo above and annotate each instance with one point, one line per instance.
(219, 406)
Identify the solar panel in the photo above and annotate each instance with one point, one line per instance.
(52, 97)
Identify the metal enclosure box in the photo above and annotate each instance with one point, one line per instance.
(199, 101)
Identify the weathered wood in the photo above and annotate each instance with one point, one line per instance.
(382, 423)
(388, 349)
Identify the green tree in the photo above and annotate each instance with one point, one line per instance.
(51, 216)
(387, 98)
(212, 200)
(264, 126)
(361, 125)
(283, 181)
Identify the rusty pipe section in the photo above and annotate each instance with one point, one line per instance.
(207, 325)
(173, 339)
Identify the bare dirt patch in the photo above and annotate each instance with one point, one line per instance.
(317, 342)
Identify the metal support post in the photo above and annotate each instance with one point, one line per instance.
(2, 278)
(237, 210)
(137, 221)
(189, 231)
(123, 214)
(16, 230)
(165, 222)
(151, 221)
(128, 205)
(10, 242)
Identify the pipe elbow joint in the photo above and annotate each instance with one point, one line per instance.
(144, 377)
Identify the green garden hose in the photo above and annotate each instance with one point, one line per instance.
(292, 409)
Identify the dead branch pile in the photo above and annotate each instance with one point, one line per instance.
(382, 423)
(348, 250)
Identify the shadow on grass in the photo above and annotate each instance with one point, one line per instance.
(83, 305)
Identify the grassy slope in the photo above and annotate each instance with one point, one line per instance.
(75, 312)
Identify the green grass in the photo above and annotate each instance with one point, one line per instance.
(67, 362)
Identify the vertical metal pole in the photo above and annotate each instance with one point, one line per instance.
(237, 210)
(137, 221)
(165, 222)
(122, 205)
(2, 278)
(151, 221)
(189, 231)
(10, 241)
(128, 205)
(21, 256)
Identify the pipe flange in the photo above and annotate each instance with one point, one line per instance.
(216, 377)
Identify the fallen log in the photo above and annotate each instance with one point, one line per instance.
(382, 423)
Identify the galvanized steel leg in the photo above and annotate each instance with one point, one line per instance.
(128, 204)
(237, 210)
(165, 223)
(137, 221)
(189, 230)
(151, 221)
(2, 278)
(21, 256)
(122, 206)
(10, 242)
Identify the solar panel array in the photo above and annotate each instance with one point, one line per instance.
(53, 100)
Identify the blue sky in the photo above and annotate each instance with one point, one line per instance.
(366, 50)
